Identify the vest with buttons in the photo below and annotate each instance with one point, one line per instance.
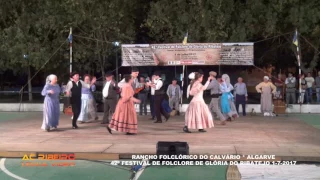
(76, 92)
(160, 91)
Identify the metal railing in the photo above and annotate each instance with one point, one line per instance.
(17, 97)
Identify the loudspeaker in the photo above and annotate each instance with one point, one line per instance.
(172, 148)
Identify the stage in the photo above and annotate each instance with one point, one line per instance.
(292, 137)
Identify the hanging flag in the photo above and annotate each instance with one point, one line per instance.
(70, 37)
(295, 38)
(184, 42)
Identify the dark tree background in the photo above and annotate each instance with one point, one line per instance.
(39, 27)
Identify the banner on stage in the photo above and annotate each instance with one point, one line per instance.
(189, 54)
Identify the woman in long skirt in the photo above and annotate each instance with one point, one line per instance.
(51, 105)
(198, 115)
(266, 89)
(226, 88)
(124, 118)
(87, 105)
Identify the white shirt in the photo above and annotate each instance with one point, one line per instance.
(105, 91)
(292, 79)
(135, 83)
(158, 83)
(310, 81)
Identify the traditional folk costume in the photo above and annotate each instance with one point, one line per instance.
(51, 105)
(226, 88)
(266, 89)
(87, 107)
(124, 118)
(198, 115)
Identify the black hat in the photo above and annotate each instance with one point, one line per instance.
(109, 73)
(218, 76)
(74, 73)
(157, 73)
(134, 69)
(200, 71)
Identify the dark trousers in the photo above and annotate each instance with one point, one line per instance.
(158, 108)
(309, 95)
(109, 108)
(153, 114)
(143, 105)
(76, 109)
(241, 99)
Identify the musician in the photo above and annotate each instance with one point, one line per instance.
(152, 91)
(142, 92)
(159, 94)
(134, 75)
(110, 96)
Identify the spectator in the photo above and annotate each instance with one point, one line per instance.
(318, 87)
(310, 82)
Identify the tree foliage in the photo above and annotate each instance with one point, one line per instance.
(38, 28)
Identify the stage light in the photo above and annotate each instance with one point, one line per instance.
(116, 43)
(25, 56)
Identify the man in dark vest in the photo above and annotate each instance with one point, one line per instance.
(110, 96)
(73, 90)
(159, 93)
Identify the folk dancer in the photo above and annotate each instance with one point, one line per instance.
(198, 115)
(174, 93)
(290, 89)
(215, 93)
(159, 93)
(110, 96)
(87, 106)
(241, 95)
(234, 113)
(125, 117)
(266, 89)
(226, 101)
(73, 90)
(51, 105)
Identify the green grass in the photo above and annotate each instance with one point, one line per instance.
(5, 116)
(88, 170)
(311, 119)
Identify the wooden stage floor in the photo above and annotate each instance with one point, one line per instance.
(286, 136)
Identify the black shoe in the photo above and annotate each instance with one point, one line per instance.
(157, 122)
(178, 113)
(96, 119)
(186, 130)
(152, 118)
(109, 130)
(48, 130)
(130, 134)
(202, 130)
(74, 127)
(167, 118)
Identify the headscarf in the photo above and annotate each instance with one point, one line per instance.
(192, 75)
(266, 77)
(226, 78)
(49, 78)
